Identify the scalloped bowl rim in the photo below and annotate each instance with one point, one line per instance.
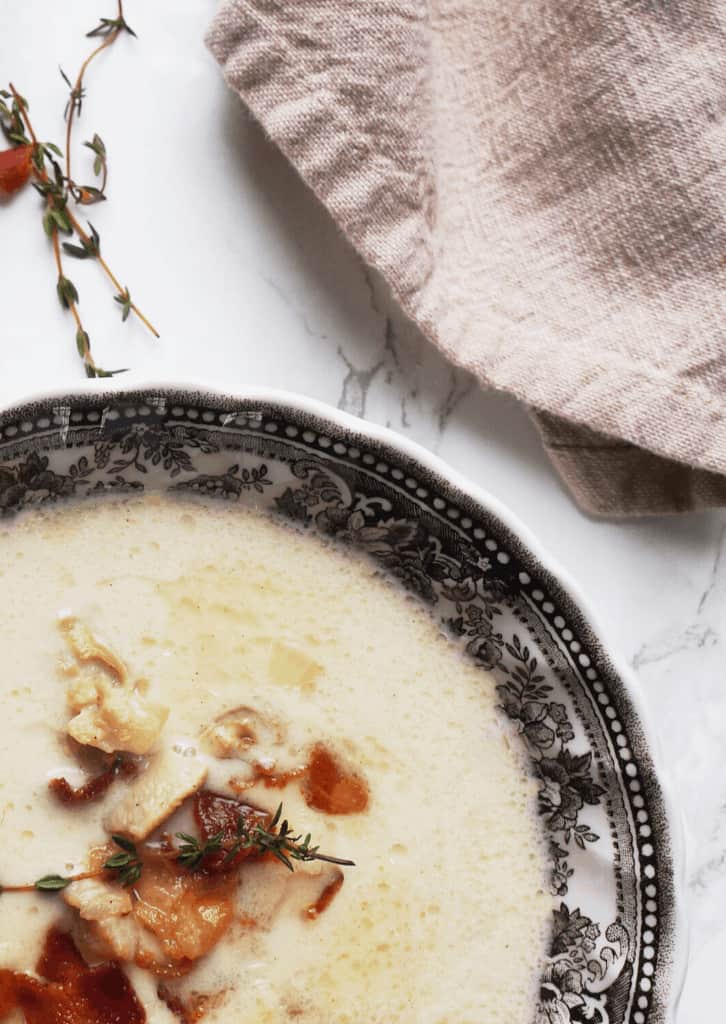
(115, 391)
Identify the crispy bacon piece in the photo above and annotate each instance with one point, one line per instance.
(326, 897)
(214, 814)
(328, 787)
(96, 786)
(190, 1011)
(71, 992)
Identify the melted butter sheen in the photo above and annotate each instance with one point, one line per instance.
(444, 918)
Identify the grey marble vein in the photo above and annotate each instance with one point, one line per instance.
(693, 637)
(715, 571)
(461, 385)
(294, 307)
(356, 384)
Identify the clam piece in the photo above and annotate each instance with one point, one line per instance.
(112, 938)
(105, 928)
(95, 899)
(83, 688)
(110, 712)
(154, 795)
(236, 732)
(88, 648)
(118, 719)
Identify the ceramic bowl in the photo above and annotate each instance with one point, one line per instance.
(617, 945)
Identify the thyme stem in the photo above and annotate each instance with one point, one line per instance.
(24, 114)
(78, 87)
(127, 864)
(42, 176)
(85, 237)
(51, 883)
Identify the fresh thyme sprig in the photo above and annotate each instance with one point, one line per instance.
(192, 852)
(49, 883)
(127, 864)
(58, 188)
(282, 844)
(277, 838)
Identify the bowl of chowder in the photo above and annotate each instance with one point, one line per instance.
(298, 726)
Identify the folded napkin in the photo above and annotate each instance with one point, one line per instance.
(542, 184)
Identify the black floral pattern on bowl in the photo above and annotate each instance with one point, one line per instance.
(614, 949)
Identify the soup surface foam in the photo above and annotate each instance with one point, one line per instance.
(443, 919)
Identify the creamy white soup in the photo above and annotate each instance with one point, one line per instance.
(183, 668)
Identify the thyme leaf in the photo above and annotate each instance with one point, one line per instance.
(126, 863)
(52, 883)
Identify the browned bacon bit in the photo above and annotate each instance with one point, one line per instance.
(272, 779)
(174, 1004)
(215, 814)
(326, 897)
(188, 1013)
(326, 784)
(328, 787)
(72, 992)
(95, 787)
(163, 968)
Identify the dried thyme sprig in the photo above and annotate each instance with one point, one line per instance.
(58, 189)
(100, 167)
(58, 217)
(110, 29)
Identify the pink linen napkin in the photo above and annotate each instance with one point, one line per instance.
(542, 184)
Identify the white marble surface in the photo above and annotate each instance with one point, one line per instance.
(251, 285)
